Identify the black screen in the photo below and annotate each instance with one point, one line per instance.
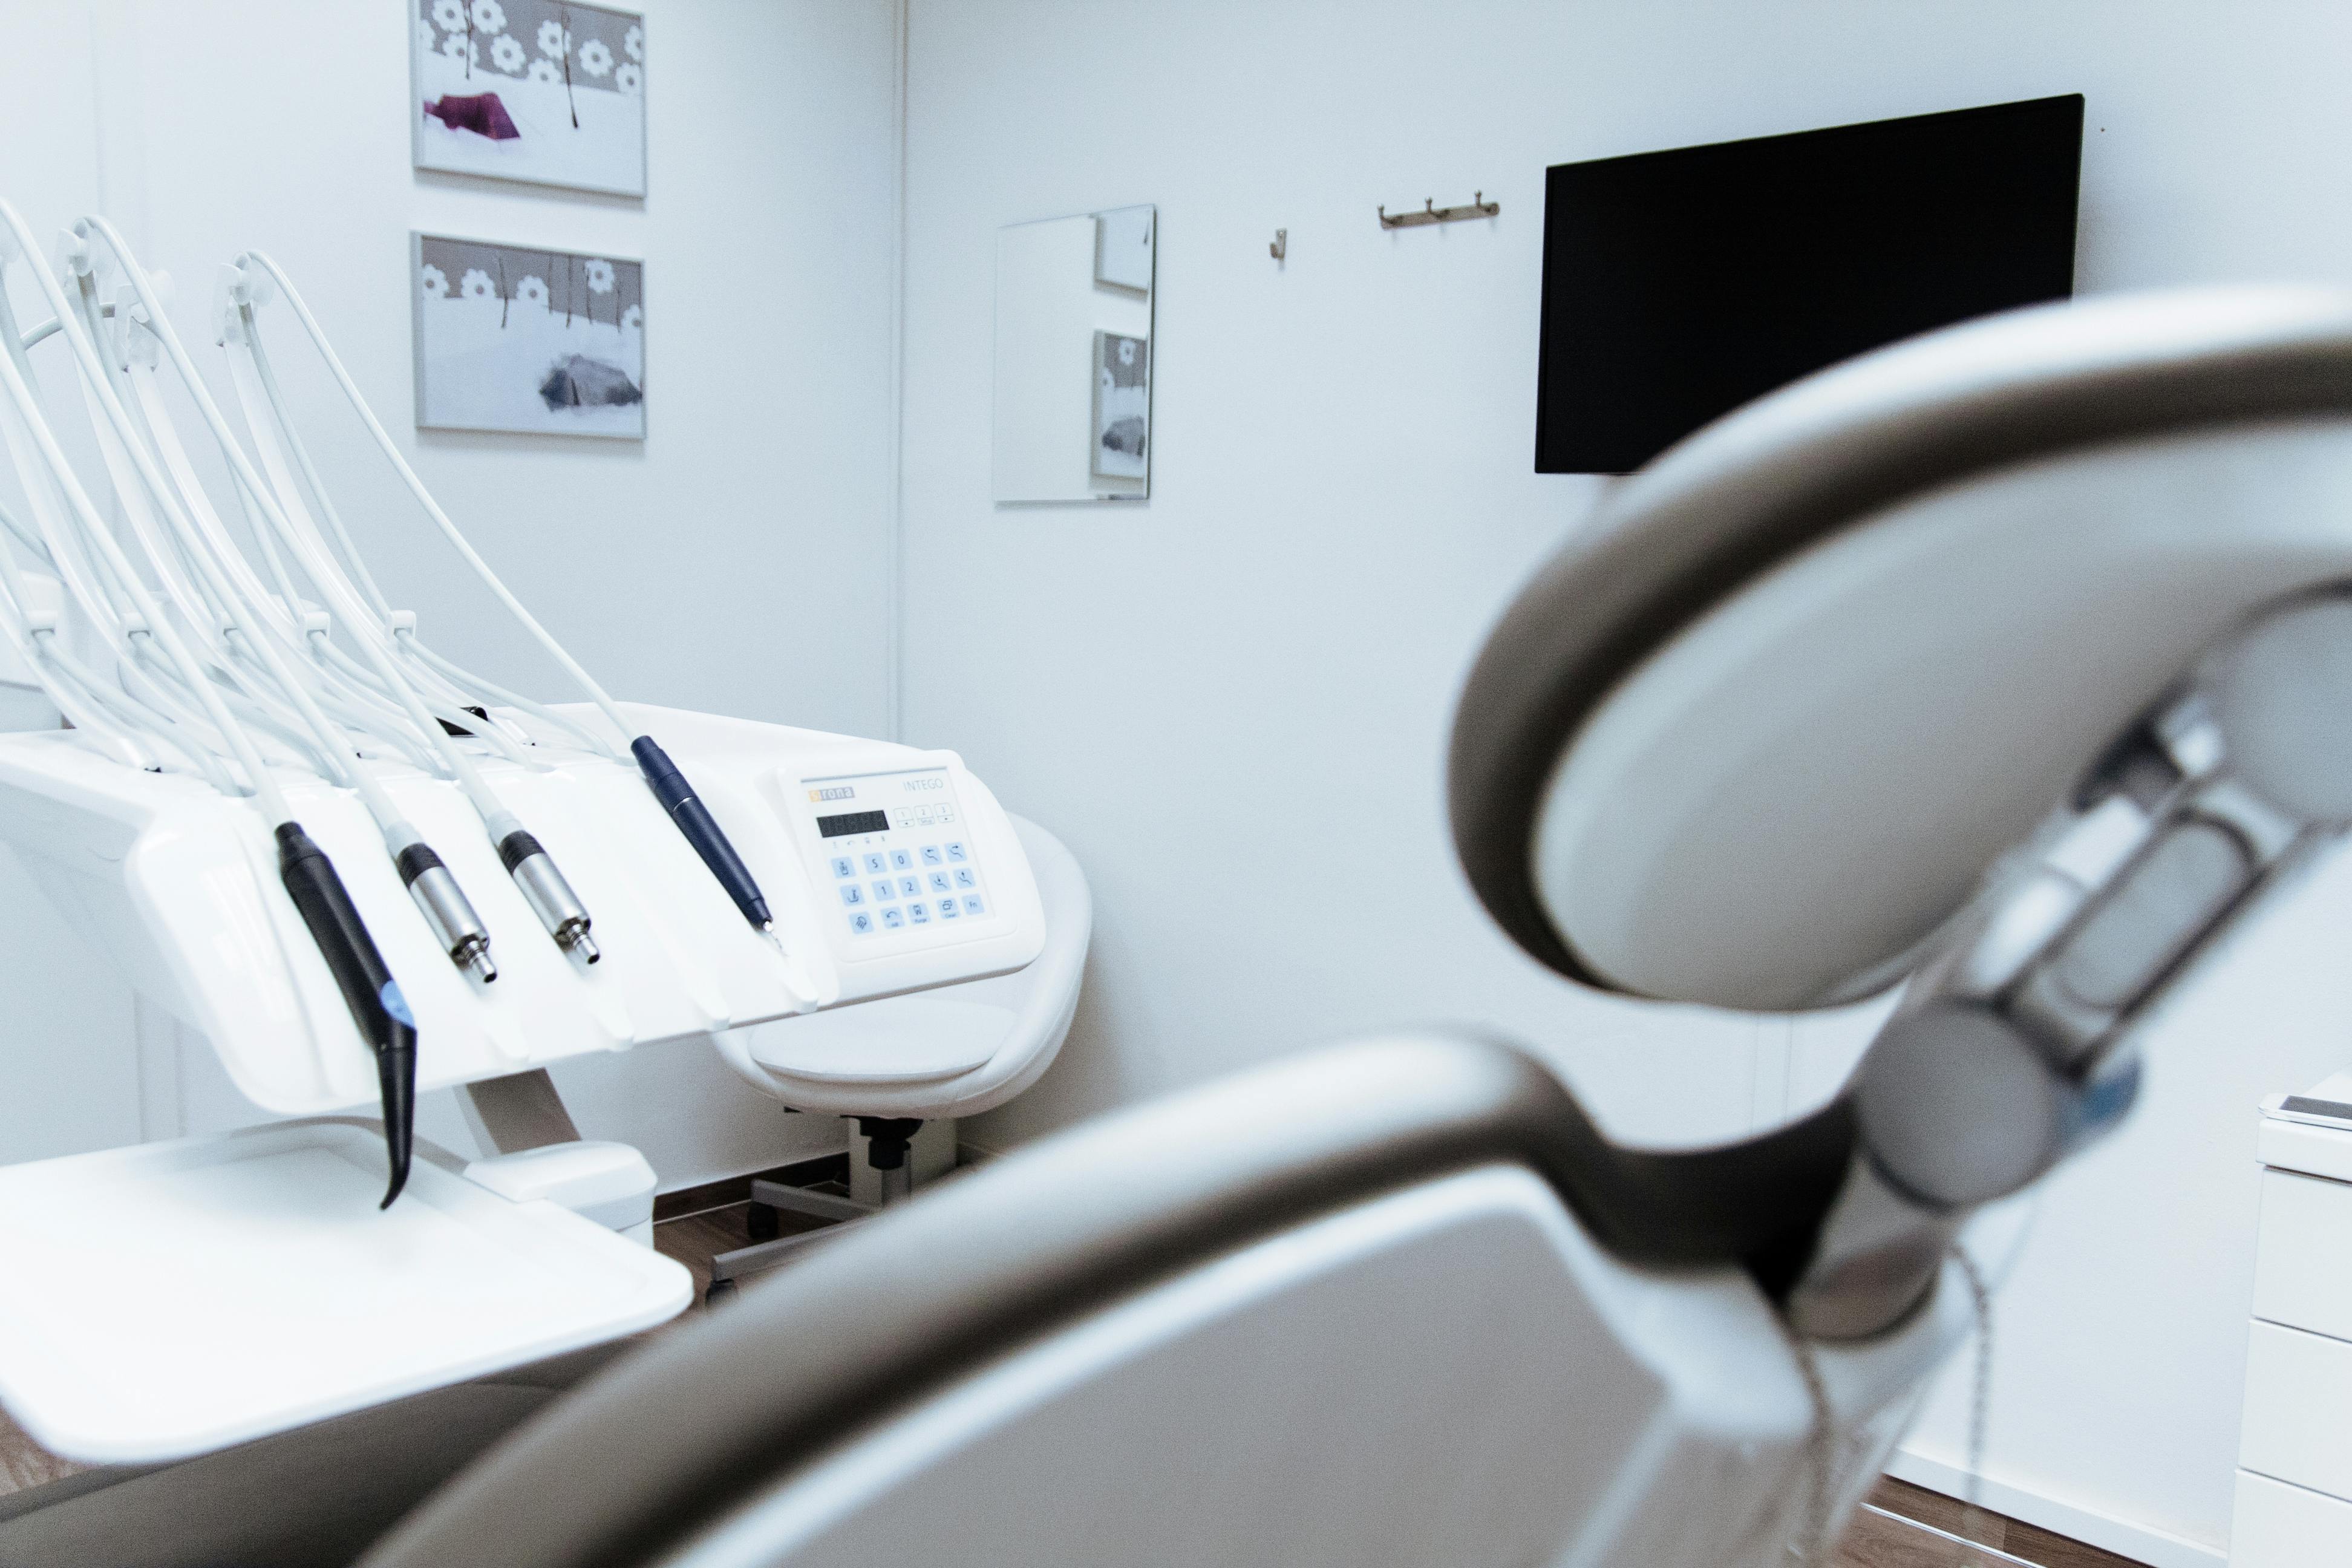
(853, 822)
(1677, 285)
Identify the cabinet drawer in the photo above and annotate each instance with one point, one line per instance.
(2303, 1265)
(2275, 1525)
(2298, 1388)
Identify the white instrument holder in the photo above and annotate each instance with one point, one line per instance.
(179, 884)
(287, 1297)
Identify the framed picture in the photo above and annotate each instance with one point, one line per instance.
(515, 338)
(1123, 405)
(1123, 247)
(542, 90)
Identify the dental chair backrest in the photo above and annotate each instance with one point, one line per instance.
(1345, 1309)
(1400, 1302)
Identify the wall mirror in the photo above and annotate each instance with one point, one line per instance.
(1074, 354)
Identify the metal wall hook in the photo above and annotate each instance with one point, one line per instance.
(1281, 245)
(1479, 206)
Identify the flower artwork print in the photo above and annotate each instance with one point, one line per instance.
(1123, 405)
(539, 90)
(537, 342)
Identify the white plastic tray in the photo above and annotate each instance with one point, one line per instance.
(165, 1300)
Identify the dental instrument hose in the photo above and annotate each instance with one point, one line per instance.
(310, 877)
(447, 911)
(502, 824)
(669, 786)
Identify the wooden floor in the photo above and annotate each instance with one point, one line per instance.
(697, 1238)
(1889, 1535)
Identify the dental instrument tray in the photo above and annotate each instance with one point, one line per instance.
(286, 1297)
(889, 869)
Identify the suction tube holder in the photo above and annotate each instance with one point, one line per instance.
(701, 829)
(369, 990)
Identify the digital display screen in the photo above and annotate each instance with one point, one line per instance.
(1678, 285)
(853, 822)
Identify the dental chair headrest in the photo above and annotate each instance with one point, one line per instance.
(1755, 734)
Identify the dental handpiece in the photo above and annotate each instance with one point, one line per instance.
(448, 912)
(550, 897)
(701, 830)
(369, 990)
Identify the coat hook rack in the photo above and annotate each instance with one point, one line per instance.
(1430, 212)
(1281, 245)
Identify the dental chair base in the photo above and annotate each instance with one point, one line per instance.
(900, 1154)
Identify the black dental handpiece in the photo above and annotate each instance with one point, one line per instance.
(701, 829)
(369, 990)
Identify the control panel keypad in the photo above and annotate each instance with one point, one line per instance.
(908, 874)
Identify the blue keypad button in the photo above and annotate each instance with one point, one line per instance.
(853, 894)
(955, 851)
(883, 892)
(901, 860)
(919, 913)
(972, 905)
(862, 923)
(844, 867)
(875, 865)
(909, 887)
(938, 881)
(892, 919)
(964, 878)
(947, 909)
(931, 855)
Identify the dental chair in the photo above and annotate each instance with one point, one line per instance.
(1791, 724)
(896, 1064)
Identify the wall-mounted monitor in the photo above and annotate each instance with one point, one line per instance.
(1679, 285)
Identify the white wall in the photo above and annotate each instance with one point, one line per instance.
(1232, 701)
(738, 561)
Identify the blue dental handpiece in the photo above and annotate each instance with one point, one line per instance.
(701, 829)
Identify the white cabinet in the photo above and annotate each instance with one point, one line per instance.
(2293, 1503)
(2278, 1526)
